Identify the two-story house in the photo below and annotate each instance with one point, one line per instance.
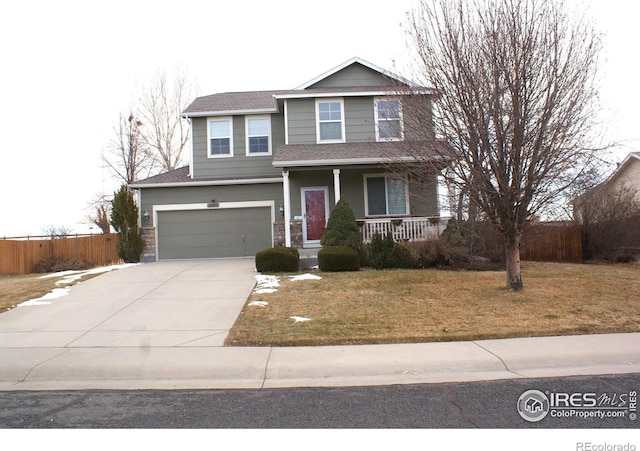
(266, 168)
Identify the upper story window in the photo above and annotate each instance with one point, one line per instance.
(389, 126)
(386, 195)
(258, 135)
(220, 137)
(330, 121)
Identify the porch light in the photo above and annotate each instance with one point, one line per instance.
(145, 216)
(281, 211)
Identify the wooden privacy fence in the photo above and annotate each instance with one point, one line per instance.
(541, 242)
(552, 244)
(23, 256)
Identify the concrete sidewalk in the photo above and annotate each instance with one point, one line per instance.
(153, 327)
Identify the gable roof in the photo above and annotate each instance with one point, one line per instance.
(181, 177)
(255, 102)
(265, 102)
(633, 156)
(350, 62)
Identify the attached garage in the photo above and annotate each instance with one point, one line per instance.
(236, 230)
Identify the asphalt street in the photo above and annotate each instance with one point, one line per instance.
(491, 404)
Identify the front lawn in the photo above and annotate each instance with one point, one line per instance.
(405, 306)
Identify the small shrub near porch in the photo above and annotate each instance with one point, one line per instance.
(338, 258)
(278, 259)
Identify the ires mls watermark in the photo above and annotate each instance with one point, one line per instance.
(534, 405)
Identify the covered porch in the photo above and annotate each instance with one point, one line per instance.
(403, 228)
(316, 177)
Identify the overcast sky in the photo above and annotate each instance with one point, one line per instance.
(69, 68)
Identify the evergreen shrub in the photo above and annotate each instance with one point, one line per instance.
(124, 220)
(379, 251)
(343, 230)
(278, 259)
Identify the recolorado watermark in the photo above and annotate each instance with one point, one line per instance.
(588, 446)
(535, 405)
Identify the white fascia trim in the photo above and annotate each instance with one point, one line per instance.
(209, 183)
(230, 113)
(388, 93)
(221, 206)
(352, 161)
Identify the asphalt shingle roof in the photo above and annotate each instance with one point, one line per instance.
(345, 153)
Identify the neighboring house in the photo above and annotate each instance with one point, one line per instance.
(263, 160)
(627, 174)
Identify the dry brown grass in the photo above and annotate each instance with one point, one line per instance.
(404, 306)
(17, 289)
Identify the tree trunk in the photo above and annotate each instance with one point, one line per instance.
(514, 277)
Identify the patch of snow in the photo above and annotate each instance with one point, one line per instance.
(305, 277)
(266, 284)
(265, 291)
(58, 274)
(299, 319)
(259, 303)
(45, 300)
(71, 276)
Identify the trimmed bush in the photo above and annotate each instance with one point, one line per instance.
(338, 258)
(278, 259)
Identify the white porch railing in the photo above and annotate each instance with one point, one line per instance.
(403, 229)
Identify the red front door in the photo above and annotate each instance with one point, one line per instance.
(315, 213)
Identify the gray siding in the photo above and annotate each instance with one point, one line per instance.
(352, 76)
(359, 120)
(204, 194)
(301, 114)
(240, 165)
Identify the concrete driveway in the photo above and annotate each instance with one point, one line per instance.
(162, 326)
(175, 303)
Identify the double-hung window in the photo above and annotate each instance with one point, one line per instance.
(330, 121)
(386, 195)
(220, 137)
(389, 126)
(258, 135)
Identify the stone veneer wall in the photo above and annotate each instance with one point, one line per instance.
(149, 237)
(279, 234)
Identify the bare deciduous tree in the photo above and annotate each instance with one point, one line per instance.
(128, 156)
(160, 106)
(516, 87)
(99, 212)
(57, 232)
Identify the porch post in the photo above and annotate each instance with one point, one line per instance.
(287, 208)
(336, 183)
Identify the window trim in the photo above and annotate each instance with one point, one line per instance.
(228, 119)
(342, 121)
(386, 196)
(377, 119)
(246, 133)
